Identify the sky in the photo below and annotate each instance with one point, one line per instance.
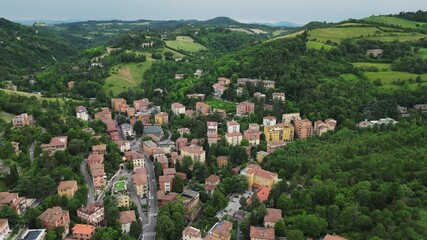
(298, 11)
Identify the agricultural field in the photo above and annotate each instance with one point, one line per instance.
(318, 45)
(287, 36)
(37, 96)
(398, 36)
(336, 34)
(367, 65)
(219, 104)
(396, 21)
(185, 43)
(423, 53)
(279, 32)
(394, 79)
(243, 30)
(125, 76)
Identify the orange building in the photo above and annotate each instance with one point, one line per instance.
(67, 188)
(203, 108)
(56, 217)
(303, 128)
(83, 231)
(257, 177)
(118, 103)
(161, 118)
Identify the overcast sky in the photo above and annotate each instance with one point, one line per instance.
(299, 11)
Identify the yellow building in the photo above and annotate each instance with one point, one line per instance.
(278, 132)
(122, 200)
(258, 177)
(67, 188)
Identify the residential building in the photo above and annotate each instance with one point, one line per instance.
(98, 175)
(154, 132)
(15, 146)
(257, 177)
(196, 153)
(140, 181)
(123, 145)
(334, 237)
(244, 81)
(289, 117)
(158, 152)
(220, 231)
(260, 233)
(224, 81)
(126, 219)
(253, 136)
(218, 89)
(181, 142)
(163, 198)
(183, 131)
(118, 103)
(14, 201)
(161, 118)
(422, 107)
(22, 120)
(179, 76)
(245, 108)
(138, 159)
(81, 113)
(321, 127)
(234, 138)
(190, 200)
(166, 183)
(222, 161)
(189, 113)
(303, 128)
(148, 147)
(143, 117)
(213, 138)
(382, 121)
(211, 183)
(92, 214)
(4, 228)
(269, 84)
(259, 96)
(56, 144)
(104, 115)
(233, 126)
(99, 149)
(279, 132)
(199, 72)
(272, 217)
(200, 96)
(260, 155)
(191, 233)
(127, 130)
(33, 234)
(83, 231)
(203, 108)
(169, 171)
(95, 159)
(274, 145)
(375, 52)
(212, 127)
(130, 112)
(56, 217)
(122, 200)
(268, 121)
(253, 126)
(67, 188)
(279, 96)
(221, 112)
(178, 108)
(239, 91)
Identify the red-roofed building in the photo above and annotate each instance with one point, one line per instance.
(273, 216)
(258, 177)
(95, 159)
(141, 105)
(202, 108)
(83, 231)
(245, 108)
(166, 183)
(333, 237)
(259, 233)
(191, 233)
(56, 144)
(99, 149)
(211, 183)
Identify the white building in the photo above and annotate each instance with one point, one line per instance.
(81, 113)
(269, 121)
(127, 130)
(233, 126)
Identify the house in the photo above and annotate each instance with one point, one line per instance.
(104, 115)
(130, 112)
(374, 52)
(279, 132)
(14, 201)
(252, 136)
(56, 144)
(138, 159)
(257, 177)
(211, 183)
(274, 145)
(67, 188)
(56, 217)
(244, 81)
(196, 153)
(198, 73)
(303, 128)
(161, 118)
(83, 231)
(224, 81)
(202, 108)
(189, 113)
(163, 198)
(166, 183)
(234, 138)
(260, 233)
(178, 108)
(95, 159)
(122, 200)
(245, 108)
(140, 181)
(99, 149)
(273, 215)
(334, 237)
(222, 161)
(118, 104)
(158, 152)
(4, 228)
(143, 117)
(141, 105)
(288, 117)
(321, 127)
(382, 121)
(81, 113)
(200, 96)
(221, 230)
(212, 127)
(422, 107)
(123, 145)
(127, 130)
(169, 171)
(279, 96)
(183, 131)
(218, 89)
(191, 233)
(269, 84)
(22, 120)
(239, 91)
(148, 147)
(259, 96)
(179, 76)
(71, 84)
(92, 214)
(261, 155)
(233, 126)
(126, 219)
(190, 200)
(268, 121)
(98, 175)
(213, 138)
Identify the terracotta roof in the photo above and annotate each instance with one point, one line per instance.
(262, 233)
(192, 232)
(212, 179)
(140, 170)
(169, 171)
(140, 179)
(222, 158)
(334, 237)
(194, 149)
(232, 123)
(168, 197)
(91, 209)
(127, 217)
(96, 158)
(53, 214)
(263, 193)
(269, 117)
(273, 215)
(3, 221)
(233, 134)
(64, 185)
(177, 105)
(7, 197)
(83, 229)
(163, 179)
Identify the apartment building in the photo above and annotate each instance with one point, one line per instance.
(178, 108)
(141, 105)
(279, 132)
(272, 217)
(126, 219)
(269, 121)
(257, 177)
(233, 126)
(191, 233)
(196, 153)
(93, 214)
(56, 217)
(289, 117)
(67, 188)
(118, 104)
(245, 108)
(303, 128)
(274, 145)
(14, 201)
(161, 118)
(22, 120)
(253, 136)
(260, 233)
(56, 144)
(203, 108)
(81, 113)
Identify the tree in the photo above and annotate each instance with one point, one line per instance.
(178, 184)
(135, 229)
(284, 203)
(106, 233)
(311, 225)
(138, 128)
(12, 178)
(280, 228)
(294, 235)
(51, 235)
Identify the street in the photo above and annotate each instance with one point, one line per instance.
(89, 184)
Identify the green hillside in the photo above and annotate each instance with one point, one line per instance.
(396, 22)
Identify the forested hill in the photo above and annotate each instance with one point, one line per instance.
(23, 49)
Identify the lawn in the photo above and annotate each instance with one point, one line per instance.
(423, 53)
(7, 117)
(337, 34)
(279, 32)
(396, 21)
(124, 76)
(403, 37)
(389, 79)
(37, 96)
(120, 185)
(185, 43)
(318, 45)
(366, 65)
(219, 104)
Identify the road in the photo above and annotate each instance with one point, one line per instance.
(89, 183)
(32, 147)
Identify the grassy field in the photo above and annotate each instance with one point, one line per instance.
(389, 79)
(318, 45)
(423, 53)
(279, 32)
(185, 43)
(336, 34)
(120, 185)
(7, 117)
(398, 36)
(219, 104)
(287, 36)
(37, 96)
(366, 65)
(125, 76)
(396, 21)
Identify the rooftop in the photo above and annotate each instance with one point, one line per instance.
(127, 217)
(83, 229)
(262, 233)
(273, 215)
(64, 185)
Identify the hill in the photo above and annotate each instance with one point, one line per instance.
(24, 49)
